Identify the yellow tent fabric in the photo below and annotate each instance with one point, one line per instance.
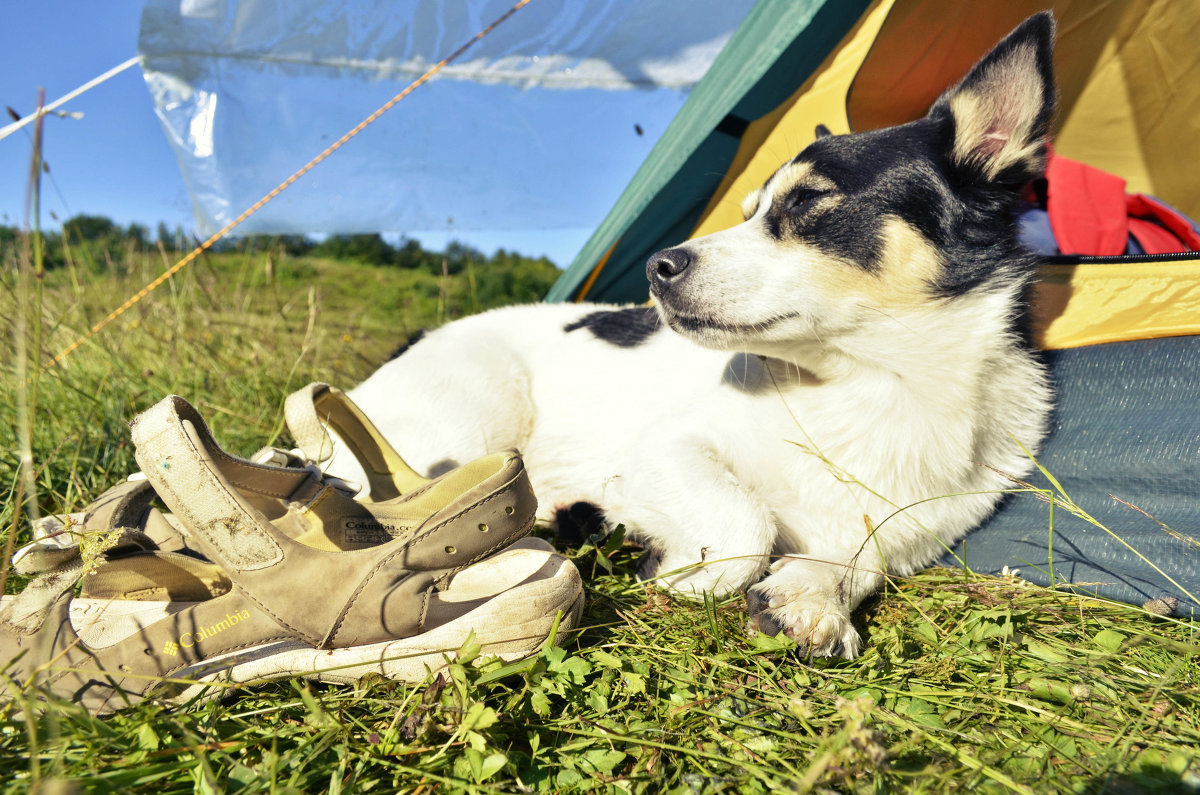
(1127, 105)
(1090, 304)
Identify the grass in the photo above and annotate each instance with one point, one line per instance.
(967, 682)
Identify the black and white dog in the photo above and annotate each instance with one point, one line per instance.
(836, 383)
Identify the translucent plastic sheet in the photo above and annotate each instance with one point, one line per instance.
(539, 126)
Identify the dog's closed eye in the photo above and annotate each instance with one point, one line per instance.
(799, 200)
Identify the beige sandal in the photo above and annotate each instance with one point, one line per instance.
(272, 602)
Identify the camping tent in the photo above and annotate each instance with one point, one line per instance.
(1122, 337)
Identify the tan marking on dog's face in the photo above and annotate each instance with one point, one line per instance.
(994, 127)
(908, 269)
(788, 175)
(794, 174)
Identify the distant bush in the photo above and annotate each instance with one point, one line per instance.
(508, 277)
(90, 228)
(369, 249)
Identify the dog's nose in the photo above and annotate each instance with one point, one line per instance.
(666, 266)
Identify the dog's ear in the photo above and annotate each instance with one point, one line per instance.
(1001, 111)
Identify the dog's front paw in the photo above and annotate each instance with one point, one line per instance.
(820, 626)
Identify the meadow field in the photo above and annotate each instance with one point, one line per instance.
(967, 683)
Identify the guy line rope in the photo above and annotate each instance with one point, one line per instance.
(65, 98)
(200, 249)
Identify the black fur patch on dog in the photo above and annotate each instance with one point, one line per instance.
(578, 522)
(625, 328)
(408, 343)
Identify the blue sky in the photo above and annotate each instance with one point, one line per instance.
(116, 161)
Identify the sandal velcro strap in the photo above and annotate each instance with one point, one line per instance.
(172, 460)
(304, 422)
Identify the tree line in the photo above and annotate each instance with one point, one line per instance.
(93, 235)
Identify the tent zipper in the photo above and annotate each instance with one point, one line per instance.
(1080, 259)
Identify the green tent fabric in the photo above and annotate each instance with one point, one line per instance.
(778, 45)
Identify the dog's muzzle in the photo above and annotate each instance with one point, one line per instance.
(666, 268)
